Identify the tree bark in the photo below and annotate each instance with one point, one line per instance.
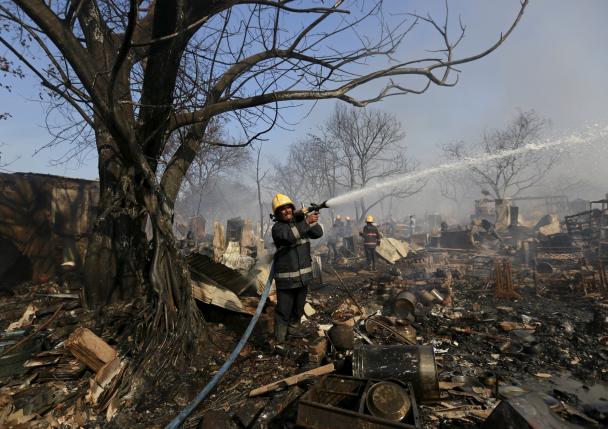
(122, 265)
(172, 330)
(116, 254)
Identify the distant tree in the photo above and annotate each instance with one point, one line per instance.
(309, 173)
(457, 185)
(286, 181)
(370, 150)
(508, 176)
(355, 148)
(216, 156)
(260, 177)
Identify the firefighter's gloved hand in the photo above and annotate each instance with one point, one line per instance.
(312, 218)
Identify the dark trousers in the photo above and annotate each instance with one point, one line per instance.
(349, 244)
(290, 305)
(370, 254)
(332, 253)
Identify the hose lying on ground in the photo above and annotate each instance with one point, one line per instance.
(179, 419)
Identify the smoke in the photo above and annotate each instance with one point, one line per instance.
(592, 136)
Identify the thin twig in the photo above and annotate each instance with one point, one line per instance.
(391, 330)
(347, 291)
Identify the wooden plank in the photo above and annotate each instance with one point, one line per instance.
(102, 380)
(294, 379)
(387, 251)
(89, 349)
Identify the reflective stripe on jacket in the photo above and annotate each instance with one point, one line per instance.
(293, 264)
(371, 236)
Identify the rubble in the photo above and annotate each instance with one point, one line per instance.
(461, 332)
(295, 379)
(89, 349)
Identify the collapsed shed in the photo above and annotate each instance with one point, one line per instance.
(44, 222)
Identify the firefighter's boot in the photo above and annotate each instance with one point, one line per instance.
(280, 332)
(294, 330)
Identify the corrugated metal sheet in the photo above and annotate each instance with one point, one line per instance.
(203, 268)
(218, 296)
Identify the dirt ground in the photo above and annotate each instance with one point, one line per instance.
(549, 339)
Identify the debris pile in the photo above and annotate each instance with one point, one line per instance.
(477, 332)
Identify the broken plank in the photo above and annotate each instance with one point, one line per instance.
(387, 251)
(400, 246)
(102, 380)
(89, 349)
(294, 379)
(60, 295)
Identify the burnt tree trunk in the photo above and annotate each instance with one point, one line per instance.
(121, 265)
(172, 332)
(116, 253)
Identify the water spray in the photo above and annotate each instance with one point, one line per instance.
(575, 139)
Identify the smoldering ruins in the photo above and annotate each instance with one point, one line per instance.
(498, 322)
(268, 239)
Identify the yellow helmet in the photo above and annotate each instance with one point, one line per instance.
(369, 219)
(280, 200)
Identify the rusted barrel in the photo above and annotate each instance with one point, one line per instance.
(388, 400)
(405, 304)
(413, 364)
(426, 297)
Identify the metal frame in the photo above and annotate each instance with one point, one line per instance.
(314, 414)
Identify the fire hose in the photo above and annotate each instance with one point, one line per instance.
(179, 419)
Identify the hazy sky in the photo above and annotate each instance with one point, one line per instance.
(555, 63)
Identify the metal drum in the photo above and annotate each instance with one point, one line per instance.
(405, 304)
(427, 297)
(413, 364)
(388, 400)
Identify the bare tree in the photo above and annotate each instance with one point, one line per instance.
(138, 71)
(318, 159)
(355, 148)
(309, 174)
(215, 158)
(260, 177)
(370, 151)
(508, 176)
(285, 181)
(457, 185)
